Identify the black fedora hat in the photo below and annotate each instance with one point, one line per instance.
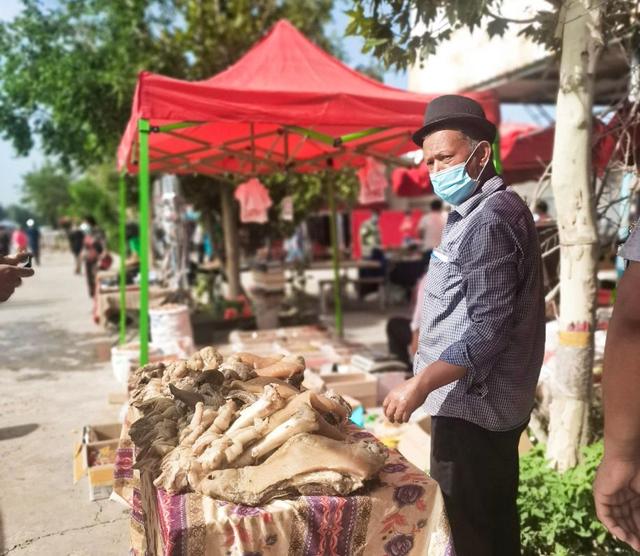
(455, 112)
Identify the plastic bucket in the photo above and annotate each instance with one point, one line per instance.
(171, 329)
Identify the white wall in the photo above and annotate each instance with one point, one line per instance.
(469, 58)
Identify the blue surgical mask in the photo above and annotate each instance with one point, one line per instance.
(454, 185)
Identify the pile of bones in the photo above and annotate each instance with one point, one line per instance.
(242, 429)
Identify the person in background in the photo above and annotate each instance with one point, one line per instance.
(33, 233)
(19, 240)
(406, 229)
(5, 241)
(76, 240)
(403, 333)
(541, 212)
(92, 248)
(431, 226)
(482, 332)
(11, 273)
(616, 489)
(371, 247)
(370, 235)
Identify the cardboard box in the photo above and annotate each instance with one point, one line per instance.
(95, 456)
(415, 442)
(361, 386)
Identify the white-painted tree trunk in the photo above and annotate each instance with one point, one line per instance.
(571, 179)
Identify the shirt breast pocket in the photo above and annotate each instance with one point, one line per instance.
(443, 276)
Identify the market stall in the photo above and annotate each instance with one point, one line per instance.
(284, 106)
(219, 456)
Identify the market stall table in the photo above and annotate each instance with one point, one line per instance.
(107, 301)
(402, 513)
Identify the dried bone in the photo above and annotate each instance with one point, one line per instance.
(333, 411)
(225, 416)
(268, 403)
(256, 386)
(305, 463)
(211, 357)
(240, 369)
(195, 363)
(285, 368)
(255, 361)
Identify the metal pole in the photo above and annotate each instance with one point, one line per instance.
(143, 199)
(336, 257)
(122, 196)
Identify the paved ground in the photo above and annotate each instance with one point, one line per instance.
(55, 377)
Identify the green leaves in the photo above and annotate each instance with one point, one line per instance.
(556, 509)
(68, 72)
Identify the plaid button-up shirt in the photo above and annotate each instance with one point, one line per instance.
(483, 309)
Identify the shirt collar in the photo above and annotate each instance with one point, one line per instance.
(493, 184)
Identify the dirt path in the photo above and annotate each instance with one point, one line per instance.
(54, 378)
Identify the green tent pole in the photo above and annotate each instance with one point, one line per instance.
(143, 199)
(335, 255)
(122, 196)
(497, 161)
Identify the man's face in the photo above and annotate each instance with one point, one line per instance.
(448, 147)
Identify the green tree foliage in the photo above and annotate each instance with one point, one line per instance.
(68, 72)
(557, 513)
(17, 214)
(96, 194)
(46, 192)
(389, 26)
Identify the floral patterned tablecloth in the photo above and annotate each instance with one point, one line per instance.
(400, 514)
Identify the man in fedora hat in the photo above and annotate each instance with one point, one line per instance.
(482, 332)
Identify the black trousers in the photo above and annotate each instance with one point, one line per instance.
(90, 271)
(478, 472)
(399, 337)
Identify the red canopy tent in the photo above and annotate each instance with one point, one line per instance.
(285, 105)
(526, 150)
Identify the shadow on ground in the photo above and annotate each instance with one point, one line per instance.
(34, 345)
(18, 431)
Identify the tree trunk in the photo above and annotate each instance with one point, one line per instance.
(231, 244)
(574, 197)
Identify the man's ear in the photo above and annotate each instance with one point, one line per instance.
(487, 153)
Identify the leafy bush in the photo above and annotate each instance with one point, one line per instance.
(557, 513)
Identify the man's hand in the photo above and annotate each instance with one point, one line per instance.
(404, 399)
(16, 259)
(616, 492)
(10, 278)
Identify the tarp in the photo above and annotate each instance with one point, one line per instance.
(285, 82)
(527, 150)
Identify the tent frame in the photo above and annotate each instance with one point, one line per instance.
(255, 160)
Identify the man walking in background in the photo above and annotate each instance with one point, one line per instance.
(616, 490)
(482, 330)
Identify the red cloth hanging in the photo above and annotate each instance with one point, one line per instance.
(254, 201)
(411, 182)
(373, 182)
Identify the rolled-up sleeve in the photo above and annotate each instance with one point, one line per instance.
(489, 261)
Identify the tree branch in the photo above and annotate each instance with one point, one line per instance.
(510, 20)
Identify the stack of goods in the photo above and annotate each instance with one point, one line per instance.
(242, 430)
(269, 278)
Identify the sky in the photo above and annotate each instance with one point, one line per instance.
(12, 168)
